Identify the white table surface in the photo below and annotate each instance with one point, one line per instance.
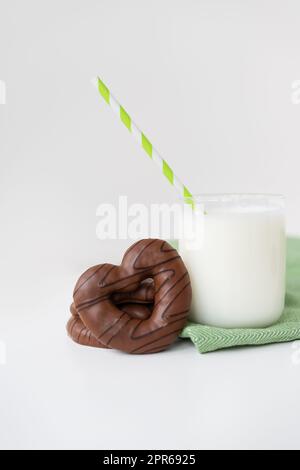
(57, 394)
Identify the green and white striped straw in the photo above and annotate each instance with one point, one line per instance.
(144, 142)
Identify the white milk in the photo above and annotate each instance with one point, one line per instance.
(237, 267)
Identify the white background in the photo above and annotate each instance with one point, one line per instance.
(210, 83)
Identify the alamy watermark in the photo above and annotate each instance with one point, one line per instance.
(122, 221)
(2, 92)
(295, 356)
(2, 343)
(295, 92)
(2, 353)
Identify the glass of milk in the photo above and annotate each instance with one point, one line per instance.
(234, 248)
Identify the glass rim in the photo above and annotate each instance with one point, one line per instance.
(232, 197)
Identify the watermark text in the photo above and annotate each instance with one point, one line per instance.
(2, 353)
(295, 92)
(123, 221)
(295, 357)
(2, 92)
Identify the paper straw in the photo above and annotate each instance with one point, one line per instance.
(144, 142)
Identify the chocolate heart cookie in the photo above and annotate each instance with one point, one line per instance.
(138, 307)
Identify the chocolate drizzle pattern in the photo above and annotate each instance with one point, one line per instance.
(138, 307)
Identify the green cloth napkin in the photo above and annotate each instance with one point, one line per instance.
(207, 338)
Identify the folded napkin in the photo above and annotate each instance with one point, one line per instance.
(207, 338)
